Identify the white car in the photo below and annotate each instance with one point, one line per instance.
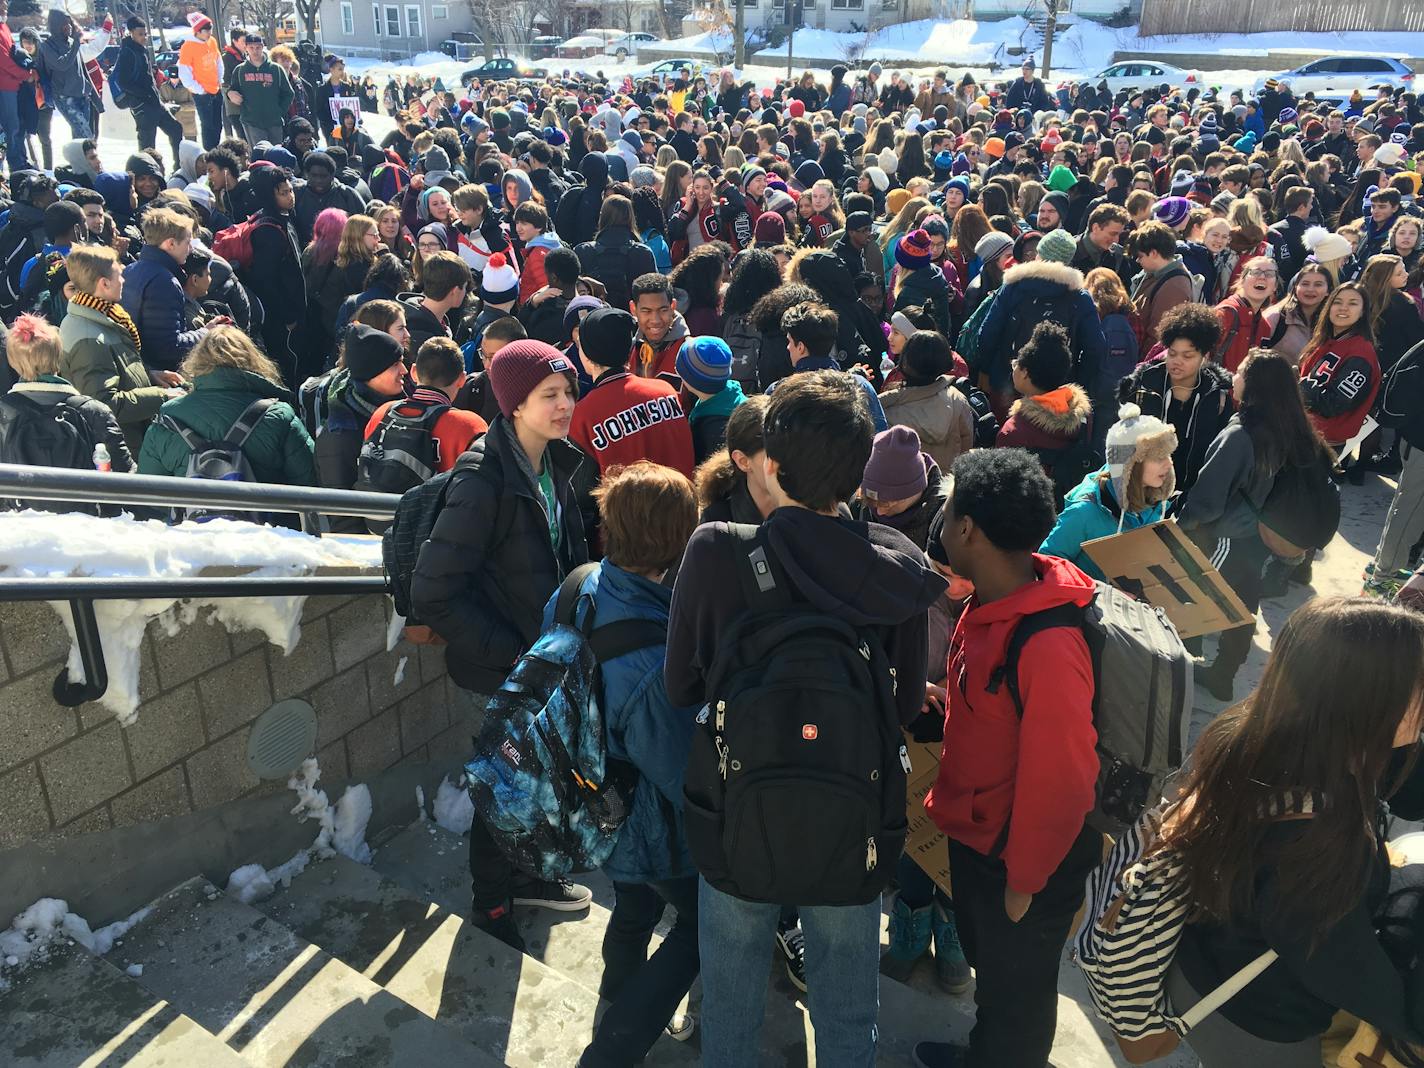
(1142, 74)
(1338, 76)
(628, 45)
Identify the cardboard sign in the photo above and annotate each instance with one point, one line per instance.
(924, 843)
(351, 103)
(1162, 566)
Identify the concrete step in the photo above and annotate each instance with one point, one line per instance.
(508, 1004)
(74, 1008)
(276, 998)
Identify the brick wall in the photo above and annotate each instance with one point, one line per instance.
(70, 771)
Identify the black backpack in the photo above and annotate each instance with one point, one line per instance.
(1067, 466)
(46, 435)
(313, 406)
(223, 460)
(795, 786)
(1142, 698)
(1057, 308)
(1302, 511)
(610, 264)
(400, 454)
(986, 423)
(410, 529)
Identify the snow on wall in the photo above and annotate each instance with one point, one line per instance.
(45, 545)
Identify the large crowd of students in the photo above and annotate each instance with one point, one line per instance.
(929, 337)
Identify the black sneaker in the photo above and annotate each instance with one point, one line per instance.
(498, 923)
(792, 944)
(557, 894)
(1214, 681)
(940, 1055)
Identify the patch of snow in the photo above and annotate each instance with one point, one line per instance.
(394, 629)
(453, 808)
(420, 802)
(34, 930)
(134, 970)
(353, 814)
(400, 671)
(250, 883)
(45, 545)
(312, 804)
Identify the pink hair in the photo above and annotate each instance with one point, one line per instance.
(326, 235)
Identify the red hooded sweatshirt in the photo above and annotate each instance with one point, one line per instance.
(1039, 774)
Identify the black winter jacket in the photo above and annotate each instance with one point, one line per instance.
(483, 578)
(1197, 421)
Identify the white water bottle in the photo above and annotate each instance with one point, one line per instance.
(101, 458)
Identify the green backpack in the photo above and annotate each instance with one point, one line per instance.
(968, 346)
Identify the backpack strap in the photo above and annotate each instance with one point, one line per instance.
(762, 580)
(1059, 616)
(196, 442)
(1067, 615)
(240, 431)
(611, 640)
(567, 603)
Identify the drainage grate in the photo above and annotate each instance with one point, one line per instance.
(281, 739)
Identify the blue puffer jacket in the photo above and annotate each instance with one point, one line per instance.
(644, 728)
(153, 297)
(1042, 280)
(1091, 511)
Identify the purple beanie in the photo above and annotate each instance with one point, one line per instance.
(913, 250)
(1172, 211)
(896, 470)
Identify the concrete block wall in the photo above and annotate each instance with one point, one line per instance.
(73, 771)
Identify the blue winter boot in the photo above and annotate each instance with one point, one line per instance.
(951, 969)
(909, 940)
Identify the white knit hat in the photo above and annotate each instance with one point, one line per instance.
(1325, 246)
(888, 160)
(1389, 154)
(878, 178)
(1133, 438)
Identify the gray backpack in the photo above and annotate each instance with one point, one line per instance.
(222, 460)
(1142, 698)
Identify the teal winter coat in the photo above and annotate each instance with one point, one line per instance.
(1091, 511)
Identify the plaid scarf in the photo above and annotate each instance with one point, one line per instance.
(121, 318)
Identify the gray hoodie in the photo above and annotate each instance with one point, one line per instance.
(1230, 489)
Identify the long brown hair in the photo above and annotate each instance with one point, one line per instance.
(1375, 284)
(1342, 676)
(1324, 332)
(1273, 413)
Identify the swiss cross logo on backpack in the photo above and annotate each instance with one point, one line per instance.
(809, 731)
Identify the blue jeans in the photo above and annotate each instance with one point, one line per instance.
(209, 108)
(75, 110)
(15, 153)
(842, 974)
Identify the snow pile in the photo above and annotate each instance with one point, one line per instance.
(44, 545)
(341, 828)
(34, 930)
(453, 808)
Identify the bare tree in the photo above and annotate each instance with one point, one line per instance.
(1050, 7)
(306, 15)
(739, 34)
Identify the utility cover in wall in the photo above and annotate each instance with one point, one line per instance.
(281, 739)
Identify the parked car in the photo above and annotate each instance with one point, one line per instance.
(628, 45)
(670, 67)
(502, 69)
(1338, 76)
(581, 47)
(1141, 74)
(167, 62)
(457, 49)
(107, 58)
(544, 47)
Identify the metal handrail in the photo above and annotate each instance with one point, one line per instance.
(142, 589)
(27, 482)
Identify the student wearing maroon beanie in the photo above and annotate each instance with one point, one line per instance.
(625, 418)
(512, 527)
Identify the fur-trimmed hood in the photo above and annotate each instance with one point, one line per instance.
(1040, 411)
(717, 477)
(1045, 271)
